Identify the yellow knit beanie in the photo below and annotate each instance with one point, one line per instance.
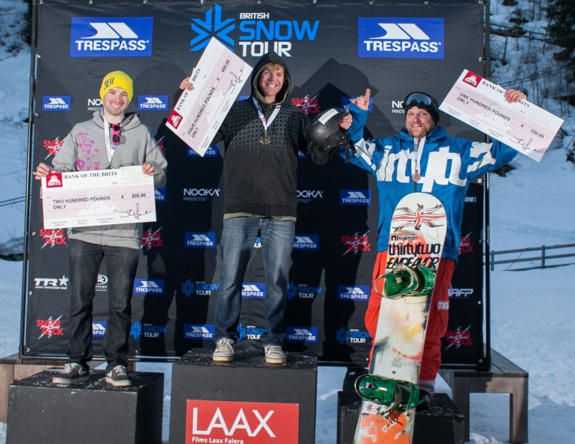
(117, 79)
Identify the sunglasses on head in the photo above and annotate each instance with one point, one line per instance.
(419, 98)
(116, 133)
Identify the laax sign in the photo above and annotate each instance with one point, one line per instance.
(231, 422)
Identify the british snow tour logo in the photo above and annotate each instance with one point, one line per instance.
(257, 33)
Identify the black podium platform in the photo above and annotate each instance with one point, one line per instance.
(441, 424)
(92, 412)
(244, 398)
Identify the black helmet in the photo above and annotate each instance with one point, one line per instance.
(325, 132)
(424, 101)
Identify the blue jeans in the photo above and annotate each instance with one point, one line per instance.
(121, 264)
(238, 237)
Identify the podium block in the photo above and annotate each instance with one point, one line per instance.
(441, 424)
(245, 397)
(91, 412)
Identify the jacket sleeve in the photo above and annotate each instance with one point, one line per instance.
(154, 157)
(368, 153)
(483, 157)
(65, 158)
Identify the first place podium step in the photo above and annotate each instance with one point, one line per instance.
(246, 398)
(89, 412)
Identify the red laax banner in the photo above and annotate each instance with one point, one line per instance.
(231, 422)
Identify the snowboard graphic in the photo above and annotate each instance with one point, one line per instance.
(389, 390)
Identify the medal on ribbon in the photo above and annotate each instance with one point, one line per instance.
(266, 139)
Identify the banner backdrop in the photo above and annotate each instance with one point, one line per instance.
(334, 50)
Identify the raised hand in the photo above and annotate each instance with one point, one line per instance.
(362, 102)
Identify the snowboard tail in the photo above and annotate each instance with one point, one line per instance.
(389, 391)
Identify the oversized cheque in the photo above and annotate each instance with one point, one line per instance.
(481, 104)
(218, 79)
(100, 197)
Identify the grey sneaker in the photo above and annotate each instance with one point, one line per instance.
(118, 376)
(72, 372)
(274, 354)
(224, 351)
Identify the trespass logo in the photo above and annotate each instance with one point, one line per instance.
(200, 240)
(301, 334)
(253, 290)
(211, 152)
(56, 103)
(353, 292)
(98, 329)
(406, 38)
(148, 286)
(111, 36)
(355, 197)
(256, 33)
(306, 242)
(199, 331)
(152, 103)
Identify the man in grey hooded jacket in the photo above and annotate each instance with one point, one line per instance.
(111, 139)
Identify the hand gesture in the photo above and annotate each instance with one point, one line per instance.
(362, 102)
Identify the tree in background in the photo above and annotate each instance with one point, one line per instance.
(561, 28)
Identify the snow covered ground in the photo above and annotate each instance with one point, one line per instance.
(532, 311)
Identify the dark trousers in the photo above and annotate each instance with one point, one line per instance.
(121, 264)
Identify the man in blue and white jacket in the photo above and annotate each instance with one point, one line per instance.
(422, 157)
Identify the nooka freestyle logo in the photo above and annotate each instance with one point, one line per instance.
(407, 38)
(111, 36)
(257, 32)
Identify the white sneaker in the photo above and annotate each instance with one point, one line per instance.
(274, 354)
(118, 376)
(73, 372)
(224, 351)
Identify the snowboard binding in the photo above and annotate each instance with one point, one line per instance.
(403, 281)
(394, 396)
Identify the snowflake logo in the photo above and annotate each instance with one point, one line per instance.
(243, 332)
(213, 25)
(136, 330)
(188, 288)
(341, 335)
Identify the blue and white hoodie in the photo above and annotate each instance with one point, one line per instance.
(447, 164)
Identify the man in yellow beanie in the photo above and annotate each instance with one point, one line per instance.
(117, 79)
(110, 139)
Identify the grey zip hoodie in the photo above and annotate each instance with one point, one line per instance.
(84, 149)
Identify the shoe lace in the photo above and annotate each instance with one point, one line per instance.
(273, 349)
(120, 370)
(69, 367)
(224, 343)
